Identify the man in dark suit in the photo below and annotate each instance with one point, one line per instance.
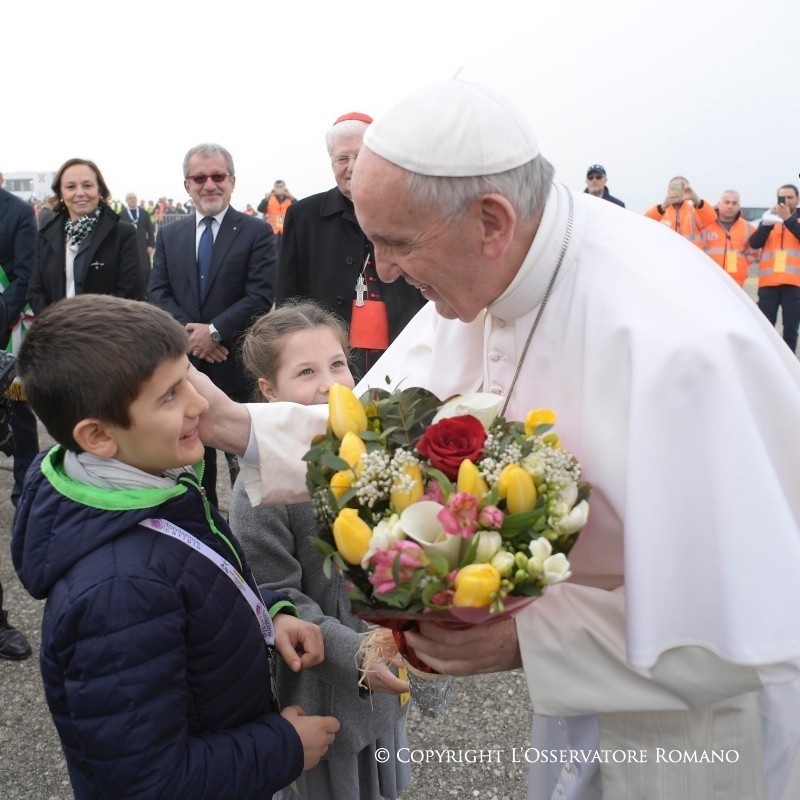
(145, 231)
(325, 255)
(214, 271)
(17, 247)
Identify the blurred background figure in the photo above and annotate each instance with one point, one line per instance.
(726, 240)
(778, 236)
(683, 211)
(274, 207)
(596, 184)
(145, 232)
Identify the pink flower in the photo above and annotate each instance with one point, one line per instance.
(491, 517)
(411, 558)
(460, 516)
(434, 493)
(443, 598)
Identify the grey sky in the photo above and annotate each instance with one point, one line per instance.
(703, 89)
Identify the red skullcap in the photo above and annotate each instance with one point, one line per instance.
(357, 115)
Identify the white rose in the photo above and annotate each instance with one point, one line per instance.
(489, 543)
(482, 405)
(556, 569)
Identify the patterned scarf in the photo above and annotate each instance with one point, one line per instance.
(77, 230)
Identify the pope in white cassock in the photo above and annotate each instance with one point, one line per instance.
(677, 639)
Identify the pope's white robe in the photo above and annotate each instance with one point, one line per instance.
(678, 633)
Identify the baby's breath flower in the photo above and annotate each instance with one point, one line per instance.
(375, 481)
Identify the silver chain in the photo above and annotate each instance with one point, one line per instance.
(547, 292)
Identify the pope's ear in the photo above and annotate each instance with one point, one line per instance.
(498, 222)
(93, 436)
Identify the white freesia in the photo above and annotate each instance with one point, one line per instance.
(573, 521)
(555, 569)
(482, 405)
(540, 550)
(419, 523)
(384, 535)
(489, 543)
(504, 563)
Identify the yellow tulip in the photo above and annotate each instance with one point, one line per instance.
(345, 411)
(476, 585)
(401, 499)
(520, 491)
(502, 479)
(352, 448)
(351, 535)
(537, 417)
(341, 482)
(470, 480)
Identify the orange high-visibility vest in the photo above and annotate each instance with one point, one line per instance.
(685, 219)
(276, 211)
(730, 249)
(771, 270)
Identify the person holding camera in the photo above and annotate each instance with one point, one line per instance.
(683, 211)
(778, 236)
(274, 206)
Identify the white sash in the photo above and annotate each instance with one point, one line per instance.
(255, 602)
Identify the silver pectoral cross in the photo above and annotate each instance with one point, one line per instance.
(361, 290)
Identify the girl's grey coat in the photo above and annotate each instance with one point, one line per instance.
(276, 542)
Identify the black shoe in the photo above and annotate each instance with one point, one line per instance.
(13, 645)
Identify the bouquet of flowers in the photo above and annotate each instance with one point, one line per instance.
(442, 511)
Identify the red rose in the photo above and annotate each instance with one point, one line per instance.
(447, 443)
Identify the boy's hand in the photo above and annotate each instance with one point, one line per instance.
(316, 733)
(299, 642)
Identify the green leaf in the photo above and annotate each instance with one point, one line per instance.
(439, 563)
(323, 547)
(444, 482)
(469, 556)
(334, 462)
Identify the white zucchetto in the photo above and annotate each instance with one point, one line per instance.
(453, 129)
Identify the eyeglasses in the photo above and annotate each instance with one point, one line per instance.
(595, 177)
(200, 178)
(344, 159)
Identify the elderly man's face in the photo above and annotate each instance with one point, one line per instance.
(343, 160)
(596, 183)
(444, 260)
(131, 200)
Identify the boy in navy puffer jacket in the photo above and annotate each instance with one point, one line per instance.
(155, 643)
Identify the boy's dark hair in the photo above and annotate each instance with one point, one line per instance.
(89, 356)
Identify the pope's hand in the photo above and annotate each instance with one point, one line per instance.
(491, 647)
(226, 424)
(298, 641)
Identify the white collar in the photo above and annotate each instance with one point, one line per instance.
(199, 217)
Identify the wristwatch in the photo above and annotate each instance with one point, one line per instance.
(216, 336)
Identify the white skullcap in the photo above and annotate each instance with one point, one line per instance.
(453, 129)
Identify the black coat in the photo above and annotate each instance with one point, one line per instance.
(107, 262)
(240, 287)
(17, 248)
(322, 253)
